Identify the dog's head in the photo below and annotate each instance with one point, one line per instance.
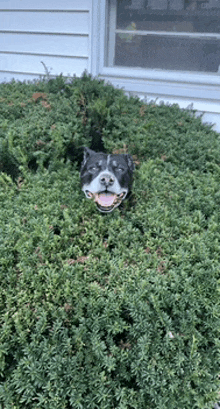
(106, 178)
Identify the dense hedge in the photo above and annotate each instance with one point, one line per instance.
(106, 311)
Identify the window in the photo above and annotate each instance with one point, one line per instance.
(164, 34)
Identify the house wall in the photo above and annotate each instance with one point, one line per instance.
(49, 31)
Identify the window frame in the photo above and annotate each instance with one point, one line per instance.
(167, 84)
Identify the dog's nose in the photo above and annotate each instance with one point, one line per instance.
(107, 180)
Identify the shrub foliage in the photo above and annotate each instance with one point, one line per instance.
(106, 311)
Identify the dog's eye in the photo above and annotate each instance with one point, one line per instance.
(93, 168)
(117, 167)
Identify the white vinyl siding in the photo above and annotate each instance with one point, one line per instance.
(45, 4)
(53, 32)
(63, 22)
(57, 45)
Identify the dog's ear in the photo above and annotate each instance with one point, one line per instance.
(130, 162)
(86, 154)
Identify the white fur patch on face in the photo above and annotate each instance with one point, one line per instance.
(105, 188)
(95, 186)
(107, 198)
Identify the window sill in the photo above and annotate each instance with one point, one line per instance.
(163, 75)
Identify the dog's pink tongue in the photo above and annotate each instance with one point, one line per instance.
(106, 199)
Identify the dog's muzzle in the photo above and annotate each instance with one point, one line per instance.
(106, 201)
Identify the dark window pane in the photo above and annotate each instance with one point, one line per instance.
(165, 34)
(172, 53)
(170, 15)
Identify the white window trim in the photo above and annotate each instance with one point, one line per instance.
(190, 86)
(169, 34)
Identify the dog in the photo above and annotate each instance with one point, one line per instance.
(106, 179)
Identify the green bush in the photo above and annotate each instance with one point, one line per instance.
(107, 311)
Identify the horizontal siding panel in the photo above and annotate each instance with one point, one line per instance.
(6, 77)
(67, 45)
(46, 22)
(31, 64)
(45, 4)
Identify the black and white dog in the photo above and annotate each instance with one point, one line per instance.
(106, 179)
